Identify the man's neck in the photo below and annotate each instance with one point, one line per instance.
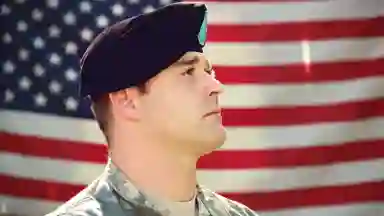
(157, 172)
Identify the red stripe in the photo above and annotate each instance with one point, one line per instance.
(228, 159)
(300, 73)
(321, 196)
(53, 148)
(294, 31)
(261, 201)
(321, 155)
(280, 116)
(31, 188)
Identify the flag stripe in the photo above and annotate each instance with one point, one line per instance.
(239, 138)
(296, 30)
(311, 94)
(260, 180)
(284, 116)
(272, 12)
(358, 150)
(300, 73)
(228, 159)
(329, 195)
(252, 179)
(28, 206)
(341, 194)
(51, 148)
(304, 51)
(303, 136)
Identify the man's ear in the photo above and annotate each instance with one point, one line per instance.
(125, 103)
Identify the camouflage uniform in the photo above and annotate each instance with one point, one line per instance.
(112, 194)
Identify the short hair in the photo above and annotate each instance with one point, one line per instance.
(102, 112)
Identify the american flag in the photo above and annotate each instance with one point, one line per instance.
(304, 103)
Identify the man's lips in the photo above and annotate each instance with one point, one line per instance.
(214, 112)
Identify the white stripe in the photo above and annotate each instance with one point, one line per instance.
(325, 93)
(66, 171)
(31, 207)
(325, 134)
(249, 180)
(230, 180)
(280, 53)
(27, 207)
(364, 209)
(261, 12)
(50, 126)
(245, 138)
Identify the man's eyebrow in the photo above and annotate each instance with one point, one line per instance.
(188, 61)
(194, 60)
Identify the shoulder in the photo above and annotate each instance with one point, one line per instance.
(84, 203)
(234, 208)
(97, 199)
(85, 206)
(237, 208)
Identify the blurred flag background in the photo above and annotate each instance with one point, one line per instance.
(304, 103)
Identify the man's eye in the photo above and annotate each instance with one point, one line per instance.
(188, 72)
(209, 70)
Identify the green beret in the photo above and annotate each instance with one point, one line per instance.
(132, 51)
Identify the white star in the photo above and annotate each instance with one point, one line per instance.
(117, 10)
(23, 54)
(40, 99)
(69, 18)
(38, 43)
(86, 34)
(55, 59)
(133, 1)
(38, 70)
(54, 31)
(165, 2)
(25, 83)
(85, 7)
(8, 67)
(21, 26)
(71, 48)
(55, 87)
(53, 4)
(5, 10)
(148, 9)
(7, 38)
(71, 75)
(37, 15)
(102, 21)
(8, 96)
(71, 104)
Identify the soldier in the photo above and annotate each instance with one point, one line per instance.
(155, 97)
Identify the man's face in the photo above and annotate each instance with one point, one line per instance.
(181, 106)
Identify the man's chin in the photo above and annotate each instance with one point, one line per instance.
(210, 145)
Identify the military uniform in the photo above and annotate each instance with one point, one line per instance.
(112, 194)
(127, 54)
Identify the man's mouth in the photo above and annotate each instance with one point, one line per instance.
(214, 112)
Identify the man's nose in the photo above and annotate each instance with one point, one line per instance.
(214, 86)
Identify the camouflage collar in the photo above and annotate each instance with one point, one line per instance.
(133, 199)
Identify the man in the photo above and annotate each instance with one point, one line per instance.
(155, 98)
